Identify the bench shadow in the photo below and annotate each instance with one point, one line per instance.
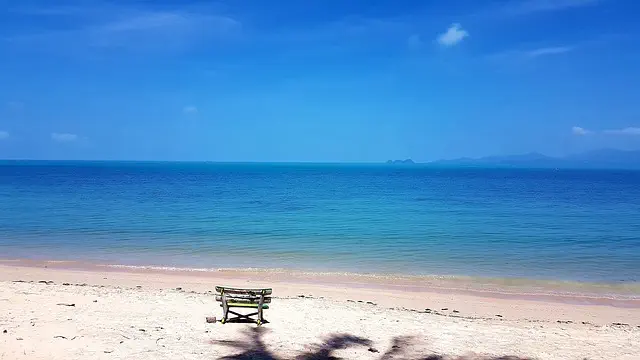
(404, 347)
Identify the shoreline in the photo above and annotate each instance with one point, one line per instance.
(49, 310)
(625, 294)
(477, 301)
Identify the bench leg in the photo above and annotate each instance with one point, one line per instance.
(225, 312)
(260, 305)
(260, 319)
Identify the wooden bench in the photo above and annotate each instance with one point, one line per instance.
(229, 297)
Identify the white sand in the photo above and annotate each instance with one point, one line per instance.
(113, 319)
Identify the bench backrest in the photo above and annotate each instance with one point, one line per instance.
(243, 296)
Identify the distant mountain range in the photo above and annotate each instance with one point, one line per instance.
(606, 158)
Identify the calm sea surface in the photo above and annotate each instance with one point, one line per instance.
(541, 224)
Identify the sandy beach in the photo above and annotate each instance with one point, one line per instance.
(124, 313)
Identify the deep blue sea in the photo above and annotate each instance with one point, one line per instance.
(579, 225)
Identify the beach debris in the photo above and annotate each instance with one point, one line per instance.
(565, 322)
(360, 301)
(66, 284)
(64, 337)
(349, 300)
(619, 324)
(373, 350)
(158, 339)
(138, 286)
(371, 303)
(499, 315)
(46, 282)
(108, 351)
(456, 311)
(19, 281)
(444, 309)
(4, 331)
(211, 319)
(178, 289)
(427, 310)
(95, 301)
(65, 304)
(83, 284)
(126, 337)
(301, 296)
(142, 330)
(19, 339)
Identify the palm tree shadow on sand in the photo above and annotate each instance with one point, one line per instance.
(254, 348)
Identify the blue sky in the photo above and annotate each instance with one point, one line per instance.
(317, 80)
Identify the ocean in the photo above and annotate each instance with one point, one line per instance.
(574, 225)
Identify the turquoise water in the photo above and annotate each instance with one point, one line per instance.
(541, 224)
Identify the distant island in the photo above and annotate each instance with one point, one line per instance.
(401, 162)
(605, 159)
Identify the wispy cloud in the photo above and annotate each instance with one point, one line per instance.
(628, 131)
(190, 109)
(579, 131)
(4, 135)
(549, 51)
(520, 56)
(635, 131)
(454, 34)
(126, 27)
(524, 7)
(63, 137)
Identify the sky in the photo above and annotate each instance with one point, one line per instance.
(316, 80)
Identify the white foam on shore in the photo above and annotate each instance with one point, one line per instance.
(504, 286)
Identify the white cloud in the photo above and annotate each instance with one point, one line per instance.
(4, 135)
(64, 137)
(624, 131)
(453, 35)
(577, 130)
(524, 7)
(549, 51)
(414, 42)
(190, 109)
